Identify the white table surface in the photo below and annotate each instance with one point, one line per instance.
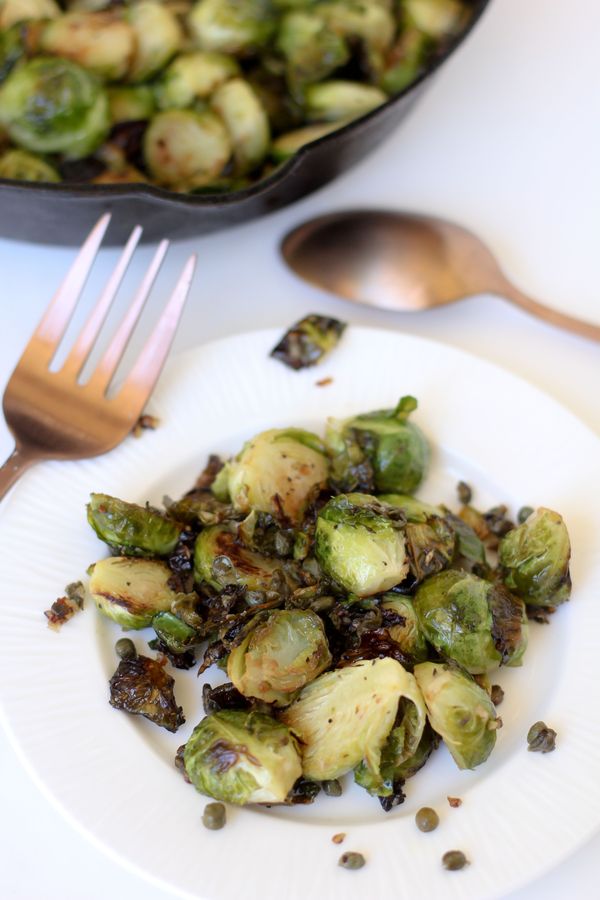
(507, 142)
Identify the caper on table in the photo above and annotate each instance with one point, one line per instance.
(427, 819)
(351, 860)
(214, 816)
(125, 648)
(454, 860)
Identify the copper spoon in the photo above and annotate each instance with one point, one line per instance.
(405, 261)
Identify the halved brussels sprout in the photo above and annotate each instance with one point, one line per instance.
(158, 37)
(405, 60)
(101, 42)
(311, 49)
(131, 529)
(284, 651)
(534, 559)
(277, 472)
(460, 711)
(335, 101)
(131, 590)
(242, 757)
(186, 148)
(407, 634)
(240, 27)
(193, 76)
(344, 718)
(15, 11)
(401, 745)
(436, 18)
(288, 144)
(220, 559)
(22, 166)
(395, 448)
(359, 545)
(373, 24)
(130, 103)
(52, 105)
(478, 624)
(246, 122)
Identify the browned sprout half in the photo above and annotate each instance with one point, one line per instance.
(142, 687)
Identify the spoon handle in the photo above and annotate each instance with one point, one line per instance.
(553, 316)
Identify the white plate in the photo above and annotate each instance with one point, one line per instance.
(113, 775)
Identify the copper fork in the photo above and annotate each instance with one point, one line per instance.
(50, 413)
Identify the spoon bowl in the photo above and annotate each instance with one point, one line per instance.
(407, 262)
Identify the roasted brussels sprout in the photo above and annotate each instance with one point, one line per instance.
(478, 624)
(287, 145)
(534, 559)
(246, 123)
(158, 36)
(360, 544)
(174, 633)
(22, 166)
(309, 340)
(185, 148)
(131, 529)
(335, 101)
(131, 591)
(344, 718)
(242, 757)
(232, 26)
(221, 560)
(460, 711)
(277, 472)
(395, 449)
(11, 50)
(311, 49)
(54, 106)
(102, 42)
(428, 743)
(405, 60)
(130, 103)
(15, 11)
(142, 687)
(372, 25)
(406, 633)
(284, 651)
(436, 18)
(401, 745)
(193, 76)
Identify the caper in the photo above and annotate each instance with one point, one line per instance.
(125, 649)
(541, 738)
(524, 514)
(332, 788)
(214, 816)
(427, 819)
(351, 860)
(496, 695)
(454, 860)
(465, 494)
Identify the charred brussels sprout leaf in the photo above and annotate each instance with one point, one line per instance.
(242, 757)
(174, 633)
(142, 687)
(279, 656)
(131, 529)
(430, 547)
(471, 621)
(344, 717)
(460, 711)
(20, 165)
(52, 105)
(395, 448)
(277, 472)
(404, 628)
(534, 559)
(470, 549)
(359, 543)
(131, 591)
(401, 745)
(220, 560)
(307, 342)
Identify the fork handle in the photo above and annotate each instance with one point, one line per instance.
(13, 468)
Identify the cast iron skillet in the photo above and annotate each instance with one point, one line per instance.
(64, 213)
